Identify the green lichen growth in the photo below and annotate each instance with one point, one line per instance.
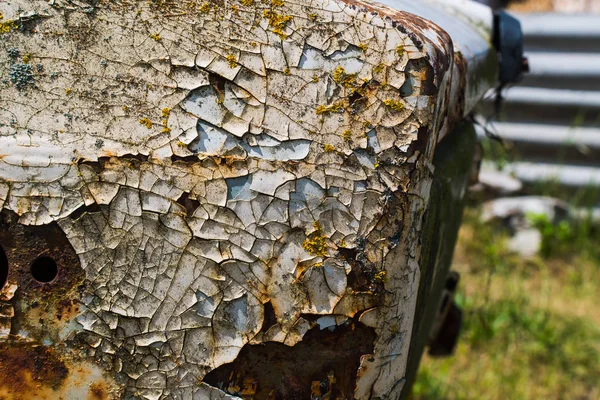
(316, 243)
(395, 105)
(21, 75)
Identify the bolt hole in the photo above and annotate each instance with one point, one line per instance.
(44, 269)
(3, 268)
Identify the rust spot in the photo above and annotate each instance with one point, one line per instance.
(98, 391)
(45, 301)
(26, 367)
(32, 371)
(325, 361)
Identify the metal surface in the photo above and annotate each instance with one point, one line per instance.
(471, 27)
(222, 179)
(454, 163)
(508, 40)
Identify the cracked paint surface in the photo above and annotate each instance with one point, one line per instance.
(204, 159)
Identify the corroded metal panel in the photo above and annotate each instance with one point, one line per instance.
(213, 179)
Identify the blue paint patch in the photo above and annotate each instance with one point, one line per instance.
(239, 188)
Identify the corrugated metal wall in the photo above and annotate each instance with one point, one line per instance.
(552, 118)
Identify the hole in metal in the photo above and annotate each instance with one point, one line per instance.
(44, 269)
(270, 317)
(3, 267)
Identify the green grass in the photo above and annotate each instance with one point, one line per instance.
(531, 327)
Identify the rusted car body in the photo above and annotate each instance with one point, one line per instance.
(207, 199)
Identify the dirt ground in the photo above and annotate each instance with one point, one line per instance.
(566, 6)
(531, 6)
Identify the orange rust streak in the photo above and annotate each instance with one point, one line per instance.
(31, 371)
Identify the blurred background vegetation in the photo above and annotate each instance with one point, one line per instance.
(531, 326)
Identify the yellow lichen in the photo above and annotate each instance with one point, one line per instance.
(315, 78)
(313, 16)
(277, 3)
(166, 113)
(146, 122)
(253, 44)
(363, 47)
(380, 277)
(286, 71)
(340, 76)
(347, 135)
(204, 7)
(155, 36)
(68, 91)
(321, 109)
(125, 108)
(235, 9)
(377, 164)
(247, 3)
(231, 60)
(27, 58)
(328, 148)
(379, 68)
(7, 26)
(316, 243)
(277, 22)
(395, 105)
(333, 108)
(400, 51)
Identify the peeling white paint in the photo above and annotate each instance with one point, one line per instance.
(233, 153)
